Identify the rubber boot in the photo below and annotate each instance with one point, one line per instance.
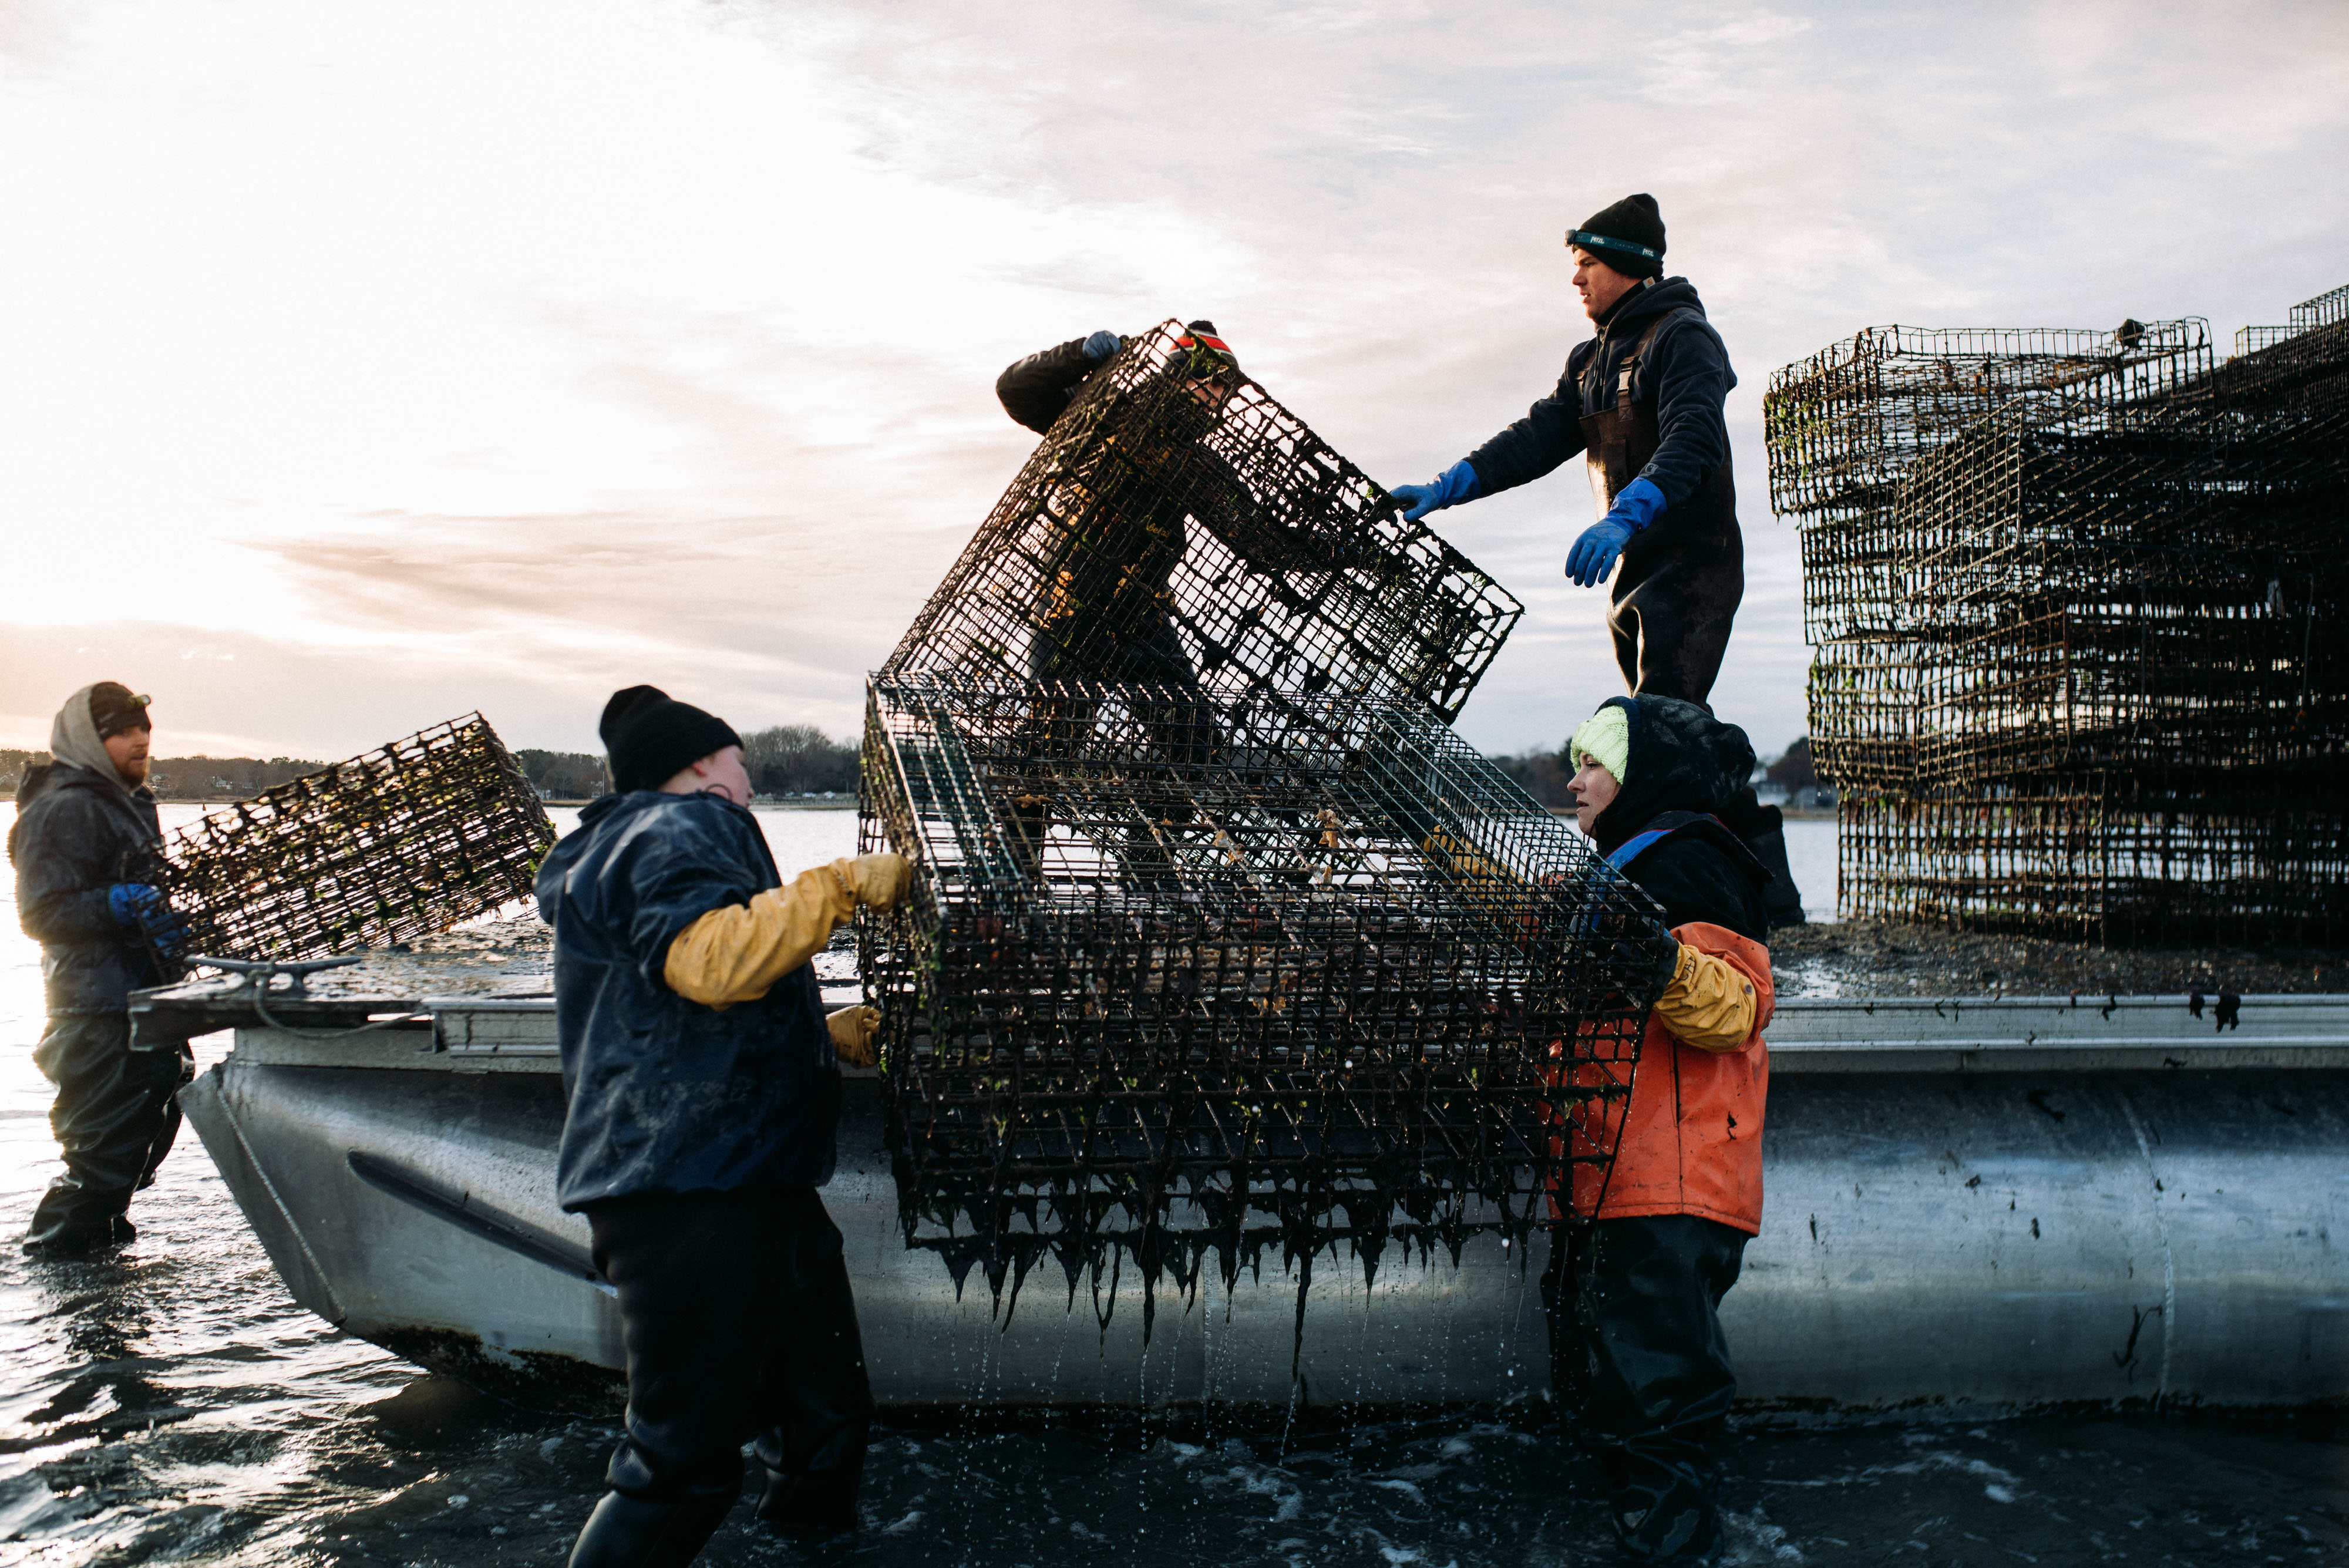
(1665, 1514)
(633, 1533)
(818, 1498)
(74, 1223)
(115, 1117)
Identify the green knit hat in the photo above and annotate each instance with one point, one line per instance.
(1606, 739)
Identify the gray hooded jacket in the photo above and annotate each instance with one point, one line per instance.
(79, 830)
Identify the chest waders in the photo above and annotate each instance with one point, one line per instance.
(1677, 586)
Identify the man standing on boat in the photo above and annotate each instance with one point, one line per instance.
(1642, 401)
(85, 847)
(704, 1085)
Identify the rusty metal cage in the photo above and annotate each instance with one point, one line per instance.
(2076, 601)
(404, 841)
(1174, 528)
(1194, 970)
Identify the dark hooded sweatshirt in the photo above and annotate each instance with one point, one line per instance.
(1684, 764)
(79, 833)
(1685, 373)
(669, 1096)
(1116, 560)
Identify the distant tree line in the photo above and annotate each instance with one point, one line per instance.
(14, 763)
(1543, 775)
(799, 759)
(565, 775)
(185, 778)
(786, 760)
(1792, 769)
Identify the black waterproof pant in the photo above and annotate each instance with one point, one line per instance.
(116, 1116)
(1636, 1351)
(739, 1325)
(1671, 614)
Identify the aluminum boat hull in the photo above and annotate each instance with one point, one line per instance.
(1939, 1229)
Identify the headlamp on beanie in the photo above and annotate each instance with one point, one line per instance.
(116, 710)
(651, 737)
(1627, 236)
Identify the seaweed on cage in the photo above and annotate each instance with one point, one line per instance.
(401, 842)
(1195, 973)
(2075, 598)
(1161, 508)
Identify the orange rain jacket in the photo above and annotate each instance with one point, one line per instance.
(1692, 1131)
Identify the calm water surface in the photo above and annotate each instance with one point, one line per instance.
(171, 1403)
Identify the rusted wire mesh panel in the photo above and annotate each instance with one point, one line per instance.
(2107, 861)
(2079, 663)
(1863, 713)
(1845, 427)
(414, 838)
(1193, 971)
(2330, 309)
(1171, 529)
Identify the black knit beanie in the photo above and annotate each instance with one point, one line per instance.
(1627, 236)
(114, 709)
(651, 736)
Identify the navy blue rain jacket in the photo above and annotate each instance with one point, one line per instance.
(1685, 373)
(669, 1096)
(76, 835)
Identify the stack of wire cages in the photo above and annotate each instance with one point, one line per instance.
(1222, 941)
(2076, 600)
(405, 841)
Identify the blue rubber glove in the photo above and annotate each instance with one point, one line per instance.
(1593, 556)
(1450, 488)
(142, 908)
(1101, 345)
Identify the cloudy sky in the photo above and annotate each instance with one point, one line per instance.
(363, 364)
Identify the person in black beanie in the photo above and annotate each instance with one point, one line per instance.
(1642, 402)
(703, 1085)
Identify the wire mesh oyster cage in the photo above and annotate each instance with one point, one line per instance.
(1191, 971)
(2077, 599)
(1170, 527)
(401, 842)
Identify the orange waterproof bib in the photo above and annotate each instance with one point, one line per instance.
(1692, 1131)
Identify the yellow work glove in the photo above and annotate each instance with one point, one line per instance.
(1710, 1003)
(852, 1029)
(878, 880)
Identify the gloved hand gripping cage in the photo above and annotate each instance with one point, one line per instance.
(1220, 939)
